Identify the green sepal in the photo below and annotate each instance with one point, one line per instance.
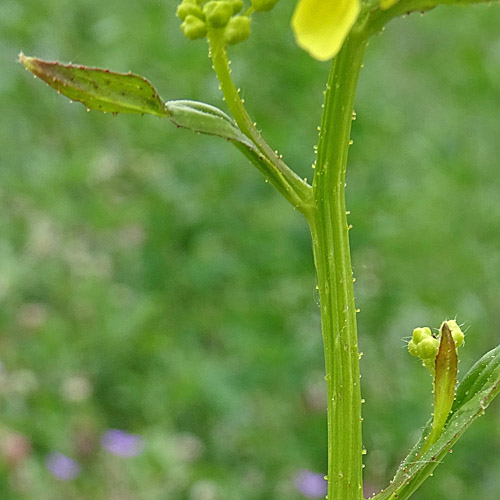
(474, 394)
(97, 88)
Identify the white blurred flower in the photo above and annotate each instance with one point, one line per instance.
(76, 389)
(187, 447)
(32, 315)
(44, 235)
(204, 490)
(22, 382)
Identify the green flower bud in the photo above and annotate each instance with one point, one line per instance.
(421, 333)
(237, 30)
(412, 348)
(193, 27)
(427, 348)
(218, 13)
(189, 8)
(237, 5)
(456, 332)
(263, 5)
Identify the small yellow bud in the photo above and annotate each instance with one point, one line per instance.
(456, 332)
(237, 30)
(435, 349)
(427, 348)
(412, 348)
(421, 333)
(193, 27)
(237, 5)
(187, 8)
(218, 13)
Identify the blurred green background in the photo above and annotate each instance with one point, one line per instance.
(150, 281)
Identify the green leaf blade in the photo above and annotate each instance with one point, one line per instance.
(97, 88)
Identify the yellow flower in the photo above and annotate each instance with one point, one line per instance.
(321, 26)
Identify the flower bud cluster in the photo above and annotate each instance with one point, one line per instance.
(425, 345)
(198, 16)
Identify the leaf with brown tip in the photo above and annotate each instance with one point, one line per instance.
(97, 88)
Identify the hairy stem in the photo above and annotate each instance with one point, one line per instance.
(330, 237)
(286, 181)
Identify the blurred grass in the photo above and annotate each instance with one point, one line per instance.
(157, 270)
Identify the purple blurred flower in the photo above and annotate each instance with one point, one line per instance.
(122, 443)
(62, 467)
(311, 484)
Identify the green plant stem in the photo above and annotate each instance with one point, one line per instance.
(324, 208)
(330, 237)
(295, 189)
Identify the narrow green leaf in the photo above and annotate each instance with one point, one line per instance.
(478, 388)
(206, 119)
(97, 88)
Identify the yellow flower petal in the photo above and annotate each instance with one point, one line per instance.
(321, 26)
